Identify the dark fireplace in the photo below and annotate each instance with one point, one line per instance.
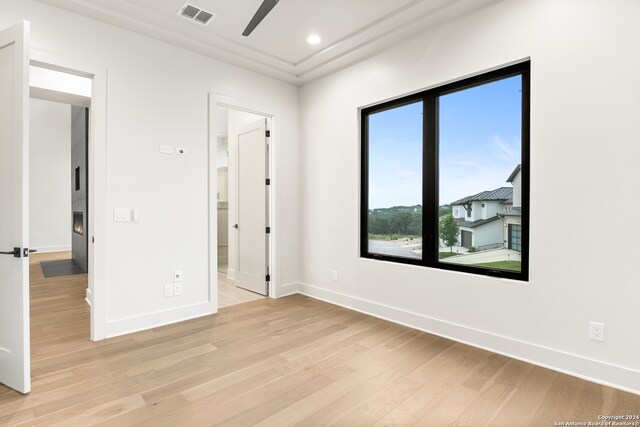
(78, 223)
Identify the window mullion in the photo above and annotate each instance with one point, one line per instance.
(430, 180)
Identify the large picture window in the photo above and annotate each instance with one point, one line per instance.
(445, 176)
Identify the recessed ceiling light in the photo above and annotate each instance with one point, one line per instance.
(314, 39)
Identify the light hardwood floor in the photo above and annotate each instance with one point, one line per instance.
(229, 294)
(291, 361)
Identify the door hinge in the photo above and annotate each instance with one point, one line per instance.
(268, 133)
(268, 181)
(268, 278)
(268, 230)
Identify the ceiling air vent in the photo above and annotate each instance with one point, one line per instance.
(195, 13)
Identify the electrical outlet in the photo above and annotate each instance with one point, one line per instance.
(335, 275)
(596, 331)
(168, 290)
(177, 276)
(177, 288)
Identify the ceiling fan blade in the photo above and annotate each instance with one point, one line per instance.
(263, 11)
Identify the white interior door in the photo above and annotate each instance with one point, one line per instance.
(14, 208)
(251, 270)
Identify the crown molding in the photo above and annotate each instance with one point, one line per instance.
(402, 23)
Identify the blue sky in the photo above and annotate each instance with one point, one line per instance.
(479, 145)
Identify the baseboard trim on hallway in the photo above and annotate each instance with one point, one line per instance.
(160, 318)
(620, 377)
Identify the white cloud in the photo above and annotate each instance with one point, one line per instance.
(503, 146)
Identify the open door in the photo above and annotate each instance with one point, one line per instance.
(14, 208)
(252, 271)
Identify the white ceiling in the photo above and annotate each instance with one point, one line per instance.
(350, 29)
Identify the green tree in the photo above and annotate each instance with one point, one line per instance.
(400, 222)
(444, 209)
(449, 231)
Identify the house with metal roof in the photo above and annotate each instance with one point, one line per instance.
(490, 219)
(478, 220)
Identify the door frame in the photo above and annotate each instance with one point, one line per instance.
(218, 100)
(97, 185)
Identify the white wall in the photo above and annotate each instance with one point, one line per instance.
(476, 211)
(158, 94)
(491, 208)
(584, 101)
(517, 190)
(488, 234)
(50, 176)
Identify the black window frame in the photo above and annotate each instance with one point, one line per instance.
(430, 173)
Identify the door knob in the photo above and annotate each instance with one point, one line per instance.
(235, 226)
(15, 252)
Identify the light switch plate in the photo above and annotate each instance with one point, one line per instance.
(122, 215)
(166, 149)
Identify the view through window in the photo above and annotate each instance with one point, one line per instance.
(479, 158)
(445, 176)
(395, 182)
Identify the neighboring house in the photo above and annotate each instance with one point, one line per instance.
(512, 216)
(491, 219)
(478, 220)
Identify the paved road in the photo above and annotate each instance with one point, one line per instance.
(386, 247)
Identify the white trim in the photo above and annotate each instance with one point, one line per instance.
(597, 371)
(143, 322)
(88, 297)
(55, 96)
(289, 289)
(98, 214)
(271, 114)
(48, 249)
(399, 24)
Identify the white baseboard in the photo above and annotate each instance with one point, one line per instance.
(231, 274)
(88, 297)
(288, 289)
(160, 318)
(597, 371)
(46, 249)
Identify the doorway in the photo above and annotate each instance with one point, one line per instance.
(242, 198)
(16, 58)
(54, 78)
(59, 208)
